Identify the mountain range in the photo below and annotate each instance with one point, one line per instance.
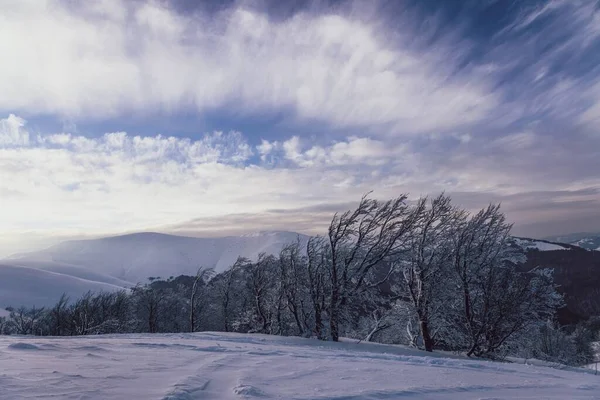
(112, 263)
(586, 240)
(74, 267)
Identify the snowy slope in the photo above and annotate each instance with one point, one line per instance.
(230, 366)
(589, 241)
(71, 270)
(25, 286)
(540, 245)
(135, 258)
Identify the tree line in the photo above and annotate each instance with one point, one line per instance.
(424, 273)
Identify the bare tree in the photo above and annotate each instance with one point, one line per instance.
(497, 300)
(24, 321)
(59, 317)
(360, 240)
(260, 281)
(198, 299)
(424, 267)
(225, 286)
(149, 301)
(293, 279)
(318, 280)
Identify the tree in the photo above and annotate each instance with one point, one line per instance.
(497, 300)
(197, 297)
(149, 302)
(318, 282)
(24, 321)
(260, 283)
(3, 326)
(227, 291)
(424, 265)
(294, 294)
(360, 240)
(59, 318)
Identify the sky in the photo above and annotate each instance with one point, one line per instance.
(225, 117)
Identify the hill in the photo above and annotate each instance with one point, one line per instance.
(26, 286)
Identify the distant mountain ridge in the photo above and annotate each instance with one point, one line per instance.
(136, 257)
(586, 240)
(116, 262)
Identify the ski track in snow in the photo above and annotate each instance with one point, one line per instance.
(235, 366)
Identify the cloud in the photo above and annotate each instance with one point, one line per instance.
(110, 58)
(548, 60)
(65, 184)
(12, 134)
(69, 184)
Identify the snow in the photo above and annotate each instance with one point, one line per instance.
(25, 286)
(532, 244)
(235, 366)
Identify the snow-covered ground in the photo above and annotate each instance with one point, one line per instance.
(231, 366)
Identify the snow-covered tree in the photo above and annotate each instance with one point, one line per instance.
(425, 272)
(496, 299)
(358, 241)
(198, 297)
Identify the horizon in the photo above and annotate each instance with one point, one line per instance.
(52, 242)
(120, 117)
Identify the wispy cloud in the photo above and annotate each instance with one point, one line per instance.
(110, 58)
(70, 184)
(65, 182)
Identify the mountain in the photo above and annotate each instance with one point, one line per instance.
(117, 262)
(586, 240)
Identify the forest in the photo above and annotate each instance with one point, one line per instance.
(423, 273)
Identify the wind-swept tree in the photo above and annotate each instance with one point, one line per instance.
(497, 300)
(294, 293)
(425, 265)
(360, 240)
(198, 296)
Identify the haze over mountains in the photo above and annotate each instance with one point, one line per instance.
(39, 278)
(74, 267)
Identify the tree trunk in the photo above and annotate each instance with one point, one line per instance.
(334, 312)
(192, 318)
(426, 335)
(333, 324)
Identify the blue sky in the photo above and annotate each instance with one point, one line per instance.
(212, 118)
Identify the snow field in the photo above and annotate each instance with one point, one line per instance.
(235, 366)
